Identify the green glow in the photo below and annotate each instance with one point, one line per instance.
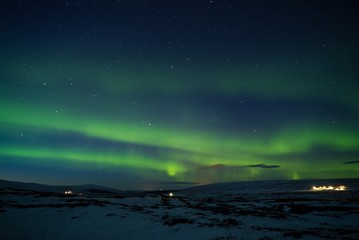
(156, 76)
(289, 140)
(188, 149)
(301, 139)
(145, 102)
(69, 156)
(201, 149)
(295, 176)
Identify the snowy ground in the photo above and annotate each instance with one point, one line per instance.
(252, 210)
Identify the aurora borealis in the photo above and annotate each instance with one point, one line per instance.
(162, 94)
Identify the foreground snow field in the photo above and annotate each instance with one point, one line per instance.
(243, 210)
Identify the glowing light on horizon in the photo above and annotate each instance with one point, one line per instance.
(329, 188)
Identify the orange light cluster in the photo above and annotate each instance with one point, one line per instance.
(329, 188)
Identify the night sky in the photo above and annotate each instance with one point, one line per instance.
(167, 94)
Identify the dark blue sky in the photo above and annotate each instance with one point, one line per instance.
(139, 94)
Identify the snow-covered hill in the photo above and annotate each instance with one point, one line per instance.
(88, 189)
(242, 210)
(273, 186)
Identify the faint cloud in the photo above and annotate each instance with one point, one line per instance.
(221, 166)
(262, 166)
(351, 162)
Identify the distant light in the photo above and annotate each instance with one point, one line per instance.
(68, 192)
(340, 188)
(171, 194)
(329, 188)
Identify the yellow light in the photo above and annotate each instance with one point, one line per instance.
(170, 194)
(329, 188)
(340, 188)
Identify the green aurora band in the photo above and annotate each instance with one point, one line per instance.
(255, 93)
(199, 149)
